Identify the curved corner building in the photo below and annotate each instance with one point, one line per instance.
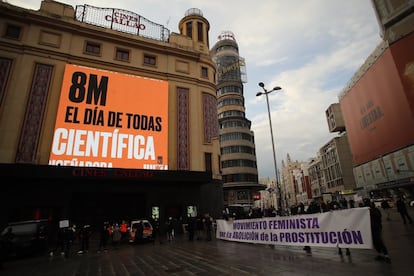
(237, 148)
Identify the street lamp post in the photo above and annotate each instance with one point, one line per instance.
(266, 93)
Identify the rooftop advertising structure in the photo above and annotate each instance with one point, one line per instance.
(378, 110)
(121, 20)
(109, 119)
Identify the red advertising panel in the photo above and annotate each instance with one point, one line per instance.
(403, 54)
(109, 119)
(377, 112)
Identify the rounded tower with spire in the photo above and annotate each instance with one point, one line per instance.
(237, 147)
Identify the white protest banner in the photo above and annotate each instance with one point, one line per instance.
(349, 228)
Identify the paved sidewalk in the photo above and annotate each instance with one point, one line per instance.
(217, 257)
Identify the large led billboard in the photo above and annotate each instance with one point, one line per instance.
(109, 119)
(378, 110)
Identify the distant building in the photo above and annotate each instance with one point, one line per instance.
(336, 165)
(289, 185)
(316, 177)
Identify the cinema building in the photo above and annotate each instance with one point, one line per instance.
(106, 115)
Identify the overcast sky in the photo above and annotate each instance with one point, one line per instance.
(310, 48)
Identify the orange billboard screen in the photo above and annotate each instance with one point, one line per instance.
(109, 119)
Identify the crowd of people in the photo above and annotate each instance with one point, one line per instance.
(110, 235)
(77, 239)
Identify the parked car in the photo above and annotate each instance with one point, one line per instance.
(25, 238)
(147, 230)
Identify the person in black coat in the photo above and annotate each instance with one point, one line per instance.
(103, 237)
(139, 234)
(376, 231)
(191, 228)
(402, 209)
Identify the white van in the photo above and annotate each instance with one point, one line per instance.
(147, 229)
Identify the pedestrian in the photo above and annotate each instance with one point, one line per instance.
(301, 208)
(170, 229)
(65, 238)
(344, 203)
(116, 236)
(313, 208)
(191, 227)
(208, 226)
(155, 231)
(386, 207)
(59, 242)
(123, 228)
(376, 231)
(200, 227)
(84, 236)
(402, 209)
(103, 237)
(347, 251)
(139, 233)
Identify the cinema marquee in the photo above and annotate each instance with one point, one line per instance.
(121, 20)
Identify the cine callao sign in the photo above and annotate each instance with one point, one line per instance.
(113, 120)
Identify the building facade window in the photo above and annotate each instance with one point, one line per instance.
(122, 54)
(237, 149)
(235, 123)
(210, 125)
(242, 195)
(230, 101)
(183, 122)
(239, 163)
(229, 89)
(200, 32)
(207, 160)
(150, 60)
(236, 136)
(13, 31)
(204, 72)
(240, 177)
(189, 27)
(5, 67)
(231, 113)
(93, 48)
(35, 109)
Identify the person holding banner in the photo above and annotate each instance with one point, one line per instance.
(312, 209)
(347, 251)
